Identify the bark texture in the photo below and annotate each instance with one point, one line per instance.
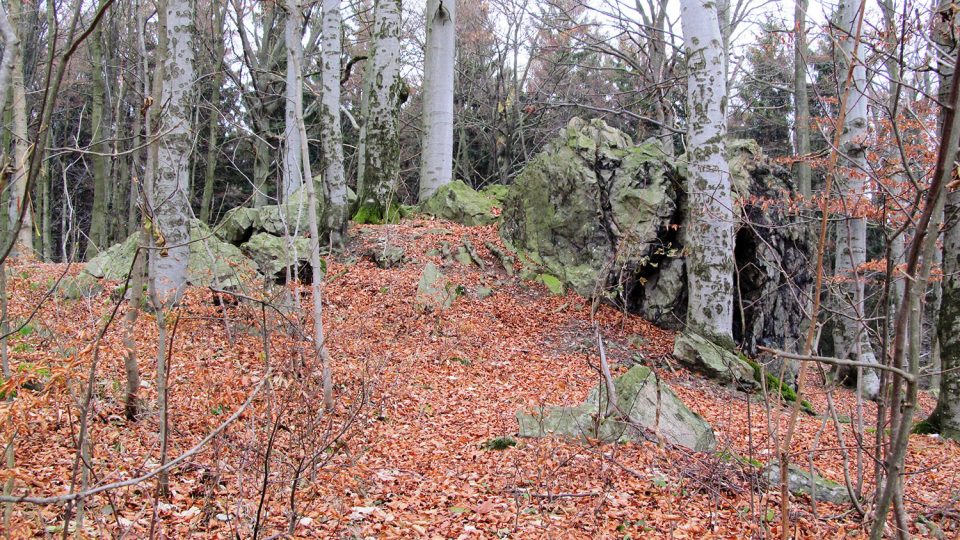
(336, 211)
(436, 165)
(381, 145)
(170, 204)
(710, 224)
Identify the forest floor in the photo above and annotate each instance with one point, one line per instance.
(407, 452)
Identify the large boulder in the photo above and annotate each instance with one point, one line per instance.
(458, 202)
(642, 399)
(274, 254)
(263, 234)
(212, 262)
(592, 205)
(606, 216)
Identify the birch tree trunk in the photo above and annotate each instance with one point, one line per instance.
(381, 163)
(292, 141)
(850, 337)
(436, 162)
(19, 198)
(334, 179)
(170, 205)
(709, 234)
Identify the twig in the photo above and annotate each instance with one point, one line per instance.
(838, 361)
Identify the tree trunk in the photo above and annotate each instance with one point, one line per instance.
(381, 163)
(20, 199)
(709, 233)
(801, 101)
(850, 336)
(436, 162)
(946, 416)
(334, 179)
(294, 10)
(292, 141)
(171, 205)
(206, 200)
(97, 238)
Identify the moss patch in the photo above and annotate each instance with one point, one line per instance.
(371, 213)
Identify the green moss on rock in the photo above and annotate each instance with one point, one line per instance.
(458, 202)
(647, 404)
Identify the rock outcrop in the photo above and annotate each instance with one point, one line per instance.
(263, 235)
(648, 406)
(606, 217)
(212, 262)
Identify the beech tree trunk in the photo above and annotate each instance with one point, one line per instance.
(436, 162)
(292, 141)
(381, 163)
(710, 239)
(19, 197)
(334, 177)
(946, 416)
(171, 205)
(850, 336)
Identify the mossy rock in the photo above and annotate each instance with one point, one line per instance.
(434, 291)
(458, 202)
(274, 254)
(80, 286)
(496, 192)
(372, 213)
(554, 285)
(588, 200)
(801, 481)
(212, 263)
(241, 223)
(715, 361)
(762, 375)
(639, 395)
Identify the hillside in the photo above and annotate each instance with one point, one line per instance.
(422, 398)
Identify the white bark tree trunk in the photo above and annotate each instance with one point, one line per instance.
(294, 10)
(709, 234)
(19, 198)
(436, 162)
(382, 142)
(292, 140)
(334, 177)
(171, 204)
(850, 336)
